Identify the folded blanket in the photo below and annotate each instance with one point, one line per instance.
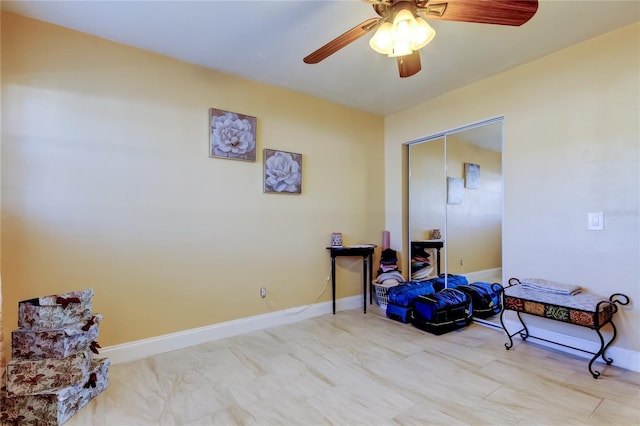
(550, 286)
(393, 275)
(422, 274)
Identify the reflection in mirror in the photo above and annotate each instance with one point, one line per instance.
(427, 205)
(471, 226)
(474, 227)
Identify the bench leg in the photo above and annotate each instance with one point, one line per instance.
(593, 372)
(602, 351)
(523, 332)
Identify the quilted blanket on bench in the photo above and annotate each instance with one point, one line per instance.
(580, 309)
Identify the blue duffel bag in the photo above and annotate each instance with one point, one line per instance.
(453, 281)
(442, 312)
(486, 298)
(404, 294)
(399, 313)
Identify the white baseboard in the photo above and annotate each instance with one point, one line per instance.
(623, 358)
(169, 342)
(145, 348)
(484, 275)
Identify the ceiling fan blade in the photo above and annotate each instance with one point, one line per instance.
(341, 41)
(409, 65)
(499, 12)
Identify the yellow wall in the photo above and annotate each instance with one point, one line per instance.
(427, 188)
(107, 183)
(106, 180)
(474, 228)
(2, 349)
(571, 132)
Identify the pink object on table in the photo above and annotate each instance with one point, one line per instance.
(386, 237)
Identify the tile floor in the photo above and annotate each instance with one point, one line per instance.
(356, 369)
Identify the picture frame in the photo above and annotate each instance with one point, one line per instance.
(232, 135)
(471, 176)
(282, 172)
(455, 188)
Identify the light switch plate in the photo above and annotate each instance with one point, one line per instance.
(595, 221)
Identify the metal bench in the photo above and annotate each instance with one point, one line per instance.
(583, 309)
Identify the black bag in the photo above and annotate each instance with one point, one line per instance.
(442, 312)
(486, 298)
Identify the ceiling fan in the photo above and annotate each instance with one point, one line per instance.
(401, 28)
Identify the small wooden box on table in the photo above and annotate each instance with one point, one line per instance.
(582, 309)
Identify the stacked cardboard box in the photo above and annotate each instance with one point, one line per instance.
(53, 373)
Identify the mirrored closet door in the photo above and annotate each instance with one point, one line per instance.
(455, 203)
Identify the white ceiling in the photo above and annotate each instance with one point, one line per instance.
(265, 41)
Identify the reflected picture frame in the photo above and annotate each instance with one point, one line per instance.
(471, 176)
(455, 188)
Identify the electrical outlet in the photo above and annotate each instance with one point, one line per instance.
(263, 292)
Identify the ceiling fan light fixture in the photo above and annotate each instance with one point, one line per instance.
(401, 48)
(381, 41)
(408, 32)
(422, 35)
(404, 24)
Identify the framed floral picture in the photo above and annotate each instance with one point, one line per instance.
(232, 135)
(471, 176)
(454, 190)
(282, 172)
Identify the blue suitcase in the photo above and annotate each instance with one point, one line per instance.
(485, 297)
(405, 294)
(442, 312)
(453, 281)
(399, 313)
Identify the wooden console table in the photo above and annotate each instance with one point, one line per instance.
(364, 250)
(583, 309)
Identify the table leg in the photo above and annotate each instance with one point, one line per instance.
(370, 279)
(438, 259)
(364, 282)
(333, 282)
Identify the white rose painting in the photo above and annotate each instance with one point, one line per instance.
(282, 172)
(471, 176)
(232, 135)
